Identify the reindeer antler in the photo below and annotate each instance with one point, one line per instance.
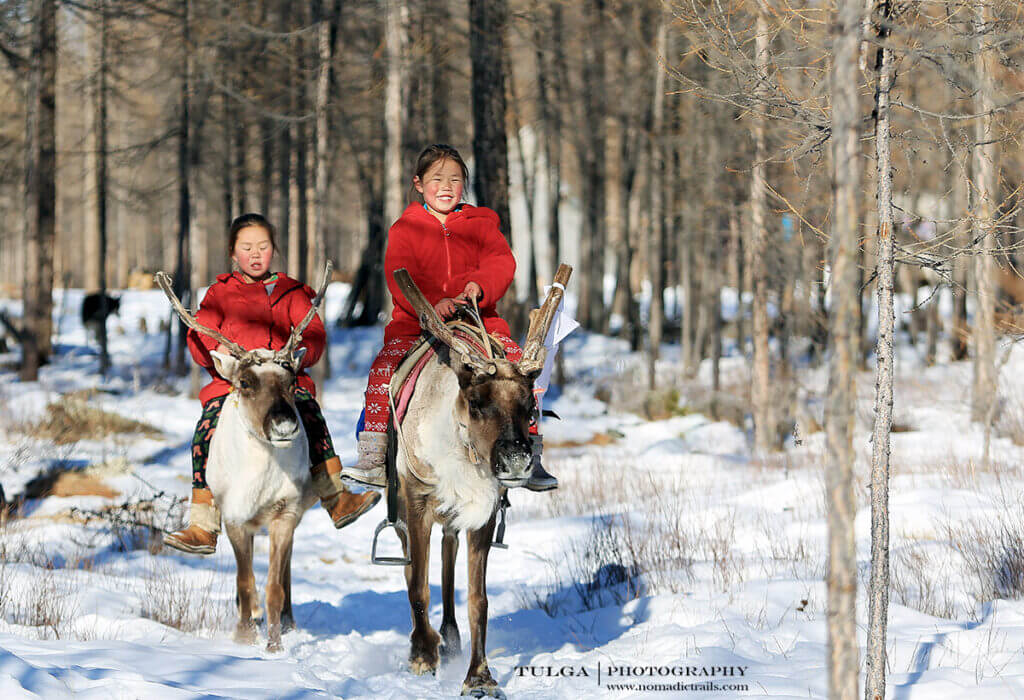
(433, 323)
(164, 280)
(534, 352)
(296, 335)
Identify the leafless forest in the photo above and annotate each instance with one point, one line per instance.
(749, 178)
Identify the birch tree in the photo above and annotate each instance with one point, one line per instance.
(841, 581)
(761, 392)
(878, 594)
(985, 184)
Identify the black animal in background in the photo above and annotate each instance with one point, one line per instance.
(94, 313)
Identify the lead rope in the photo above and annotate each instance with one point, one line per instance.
(483, 331)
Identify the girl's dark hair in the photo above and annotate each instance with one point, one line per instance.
(245, 221)
(436, 152)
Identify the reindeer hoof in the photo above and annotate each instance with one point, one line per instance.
(274, 647)
(421, 666)
(287, 624)
(245, 633)
(488, 689)
(451, 646)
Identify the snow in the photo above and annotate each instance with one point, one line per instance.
(83, 605)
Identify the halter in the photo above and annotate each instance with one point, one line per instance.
(254, 435)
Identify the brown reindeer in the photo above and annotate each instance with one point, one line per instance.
(463, 442)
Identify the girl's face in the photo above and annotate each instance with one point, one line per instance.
(441, 186)
(253, 251)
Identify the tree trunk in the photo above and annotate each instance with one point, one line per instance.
(985, 184)
(528, 183)
(591, 150)
(40, 192)
(655, 184)
(396, 90)
(181, 272)
(325, 51)
(840, 403)
(438, 106)
(98, 156)
(487, 21)
(961, 202)
(878, 593)
(760, 391)
(738, 254)
(551, 111)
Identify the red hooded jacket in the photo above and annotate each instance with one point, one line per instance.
(443, 258)
(245, 313)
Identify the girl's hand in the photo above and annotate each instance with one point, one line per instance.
(445, 308)
(471, 291)
(221, 347)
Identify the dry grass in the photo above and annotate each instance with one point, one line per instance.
(599, 440)
(72, 418)
(49, 603)
(913, 582)
(599, 485)
(1009, 422)
(993, 555)
(190, 602)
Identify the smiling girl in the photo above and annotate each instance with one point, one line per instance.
(454, 253)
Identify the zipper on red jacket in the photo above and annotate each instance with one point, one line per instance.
(447, 255)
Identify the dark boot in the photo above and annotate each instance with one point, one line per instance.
(540, 480)
(200, 537)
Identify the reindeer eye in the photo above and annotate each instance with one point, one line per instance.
(244, 384)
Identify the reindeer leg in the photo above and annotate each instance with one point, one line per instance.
(479, 682)
(423, 652)
(241, 543)
(287, 619)
(451, 643)
(281, 529)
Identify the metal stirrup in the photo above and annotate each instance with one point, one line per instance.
(499, 533)
(399, 526)
(392, 521)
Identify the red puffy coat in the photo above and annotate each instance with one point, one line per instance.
(245, 313)
(443, 258)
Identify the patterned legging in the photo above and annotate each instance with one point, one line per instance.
(377, 410)
(321, 448)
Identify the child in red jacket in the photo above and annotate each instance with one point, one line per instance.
(257, 309)
(454, 252)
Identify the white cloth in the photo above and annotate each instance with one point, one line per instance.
(561, 326)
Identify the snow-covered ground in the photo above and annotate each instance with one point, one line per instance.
(668, 550)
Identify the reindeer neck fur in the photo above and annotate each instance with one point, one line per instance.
(252, 478)
(465, 494)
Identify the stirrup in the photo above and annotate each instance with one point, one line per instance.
(399, 526)
(499, 533)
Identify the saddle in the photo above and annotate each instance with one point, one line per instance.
(403, 379)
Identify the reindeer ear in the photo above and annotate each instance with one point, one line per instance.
(297, 355)
(531, 374)
(465, 373)
(226, 365)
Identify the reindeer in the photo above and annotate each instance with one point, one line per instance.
(258, 468)
(462, 444)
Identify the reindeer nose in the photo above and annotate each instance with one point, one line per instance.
(512, 461)
(281, 422)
